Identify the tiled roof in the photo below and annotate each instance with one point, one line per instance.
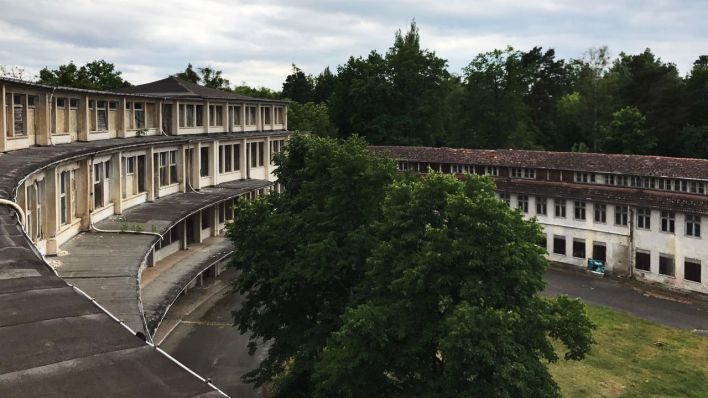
(173, 87)
(651, 166)
(70, 89)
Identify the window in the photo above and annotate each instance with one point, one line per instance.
(277, 145)
(667, 221)
(585, 177)
(167, 166)
(229, 158)
(522, 202)
(621, 215)
(505, 197)
(216, 117)
(130, 166)
(191, 115)
(101, 116)
(560, 207)
(559, 244)
(541, 207)
(692, 270)
(693, 225)
(666, 264)
(600, 213)
(236, 115)
(279, 115)
(491, 170)
(61, 102)
(265, 113)
(64, 181)
(169, 238)
(139, 115)
(204, 161)
(251, 115)
(520, 172)
(134, 175)
(112, 105)
(599, 251)
(642, 260)
(18, 112)
(101, 184)
(73, 103)
(579, 248)
(644, 218)
(579, 210)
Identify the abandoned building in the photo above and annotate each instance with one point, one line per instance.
(639, 215)
(98, 189)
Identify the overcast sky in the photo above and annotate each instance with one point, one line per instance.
(257, 41)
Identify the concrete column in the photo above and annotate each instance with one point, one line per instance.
(259, 118)
(197, 226)
(83, 193)
(243, 116)
(244, 165)
(122, 118)
(175, 118)
(182, 234)
(214, 215)
(84, 119)
(266, 158)
(150, 185)
(51, 211)
(227, 118)
(214, 162)
(117, 182)
(158, 115)
(285, 117)
(182, 167)
(44, 114)
(194, 163)
(207, 117)
(3, 120)
(271, 109)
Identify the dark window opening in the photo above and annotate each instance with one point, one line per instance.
(643, 261)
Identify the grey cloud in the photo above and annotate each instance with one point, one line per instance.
(256, 41)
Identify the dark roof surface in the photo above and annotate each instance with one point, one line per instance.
(651, 166)
(173, 87)
(56, 341)
(71, 89)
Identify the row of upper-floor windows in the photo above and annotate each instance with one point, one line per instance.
(192, 115)
(580, 211)
(664, 184)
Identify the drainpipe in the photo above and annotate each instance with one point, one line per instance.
(630, 271)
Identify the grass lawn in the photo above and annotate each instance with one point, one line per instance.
(626, 362)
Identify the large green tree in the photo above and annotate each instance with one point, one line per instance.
(493, 112)
(627, 133)
(396, 98)
(312, 118)
(207, 76)
(298, 86)
(450, 306)
(300, 254)
(95, 75)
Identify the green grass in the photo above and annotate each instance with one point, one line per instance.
(626, 362)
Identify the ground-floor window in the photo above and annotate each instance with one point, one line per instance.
(579, 248)
(559, 244)
(692, 270)
(169, 238)
(642, 260)
(666, 265)
(599, 251)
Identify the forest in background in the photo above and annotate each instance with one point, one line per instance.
(505, 98)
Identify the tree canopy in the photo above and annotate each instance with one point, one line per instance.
(95, 75)
(358, 282)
